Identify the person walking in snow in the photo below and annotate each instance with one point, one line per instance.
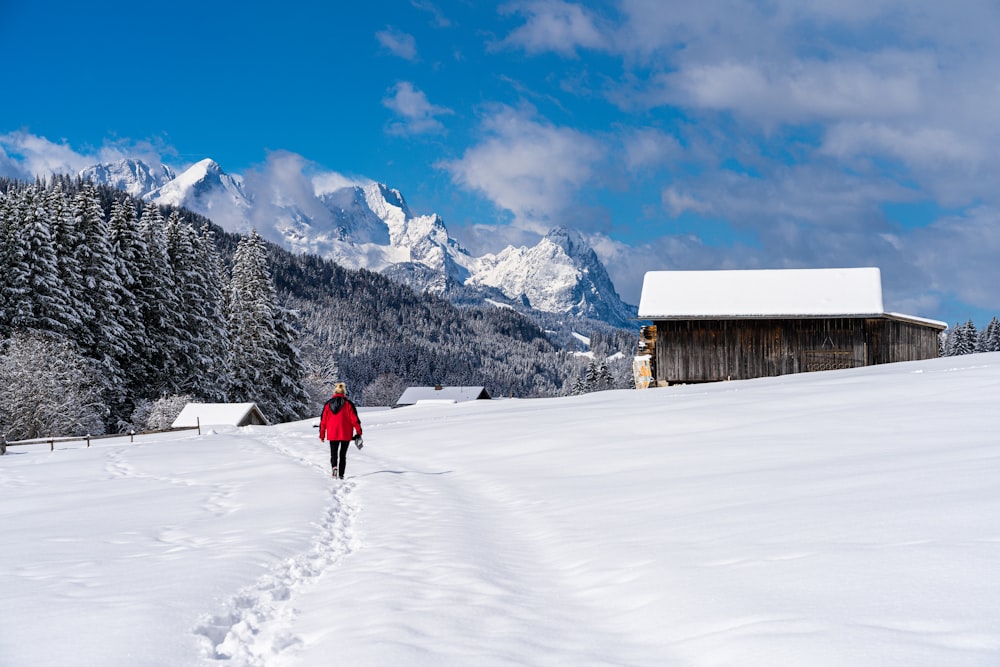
(338, 423)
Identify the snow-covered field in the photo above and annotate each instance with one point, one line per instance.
(842, 518)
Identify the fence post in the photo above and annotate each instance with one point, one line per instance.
(198, 422)
(52, 444)
(3, 445)
(88, 441)
(131, 435)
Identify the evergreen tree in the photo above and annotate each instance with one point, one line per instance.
(126, 249)
(263, 358)
(604, 379)
(961, 340)
(75, 313)
(103, 335)
(35, 292)
(158, 306)
(191, 320)
(214, 346)
(6, 242)
(989, 338)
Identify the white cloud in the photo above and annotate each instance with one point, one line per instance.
(916, 146)
(40, 157)
(331, 181)
(678, 202)
(806, 91)
(398, 43)
(646, 148)
(554, 25)
(529, 167)
(416, 115)
(958, 255)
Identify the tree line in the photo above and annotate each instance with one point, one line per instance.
(966, 339)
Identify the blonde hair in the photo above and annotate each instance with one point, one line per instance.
(340, 388)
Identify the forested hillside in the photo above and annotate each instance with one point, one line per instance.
(110, 306)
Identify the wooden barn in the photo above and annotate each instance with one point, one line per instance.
(731, 325)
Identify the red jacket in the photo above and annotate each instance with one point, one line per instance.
(342, 424)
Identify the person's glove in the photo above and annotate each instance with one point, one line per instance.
(358, 441)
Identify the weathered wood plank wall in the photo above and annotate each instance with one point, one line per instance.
(714, 350)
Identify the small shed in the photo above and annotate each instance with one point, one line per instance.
(728, 325)
(441, 393)
(220, 414)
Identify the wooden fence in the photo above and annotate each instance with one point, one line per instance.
(51, 440)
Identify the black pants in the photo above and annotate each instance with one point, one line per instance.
(338, 456)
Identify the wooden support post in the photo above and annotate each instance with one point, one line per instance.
(131, 435)
(52, 444)
(88, 441)
(3, 445)
(198, 421)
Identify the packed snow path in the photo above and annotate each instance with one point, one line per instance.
(850, 517)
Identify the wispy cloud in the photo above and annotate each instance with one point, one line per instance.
(438, 18)
(415, 114)
(398, 43)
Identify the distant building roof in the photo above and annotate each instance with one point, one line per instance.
(761, 293)
(440, 393)
(219, 414)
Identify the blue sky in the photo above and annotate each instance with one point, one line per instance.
(676, 135)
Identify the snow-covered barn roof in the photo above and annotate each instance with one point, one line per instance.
(219, 414)
(457, 394)
(761, 293)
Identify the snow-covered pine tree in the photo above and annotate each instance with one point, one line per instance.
(158, 306)
(590, 380)
(35, 291)
(287, 385)
(214, 334)
(126, 247)
(263, 358)
(605, 381)
(6, 230)
(193, 320)
(102, 336)
(962, 339)
(75, 313)
(989, 337)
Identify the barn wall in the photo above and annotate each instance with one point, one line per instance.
(895, 340)
(714, 350)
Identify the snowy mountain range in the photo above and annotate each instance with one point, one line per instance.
(370, 226)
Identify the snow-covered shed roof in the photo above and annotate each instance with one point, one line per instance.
(440, 393)
(219, 414)
(761, 293)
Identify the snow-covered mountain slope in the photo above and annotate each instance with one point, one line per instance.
(370, 226)
(202, 187)
(561, 274)
(132, 176)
